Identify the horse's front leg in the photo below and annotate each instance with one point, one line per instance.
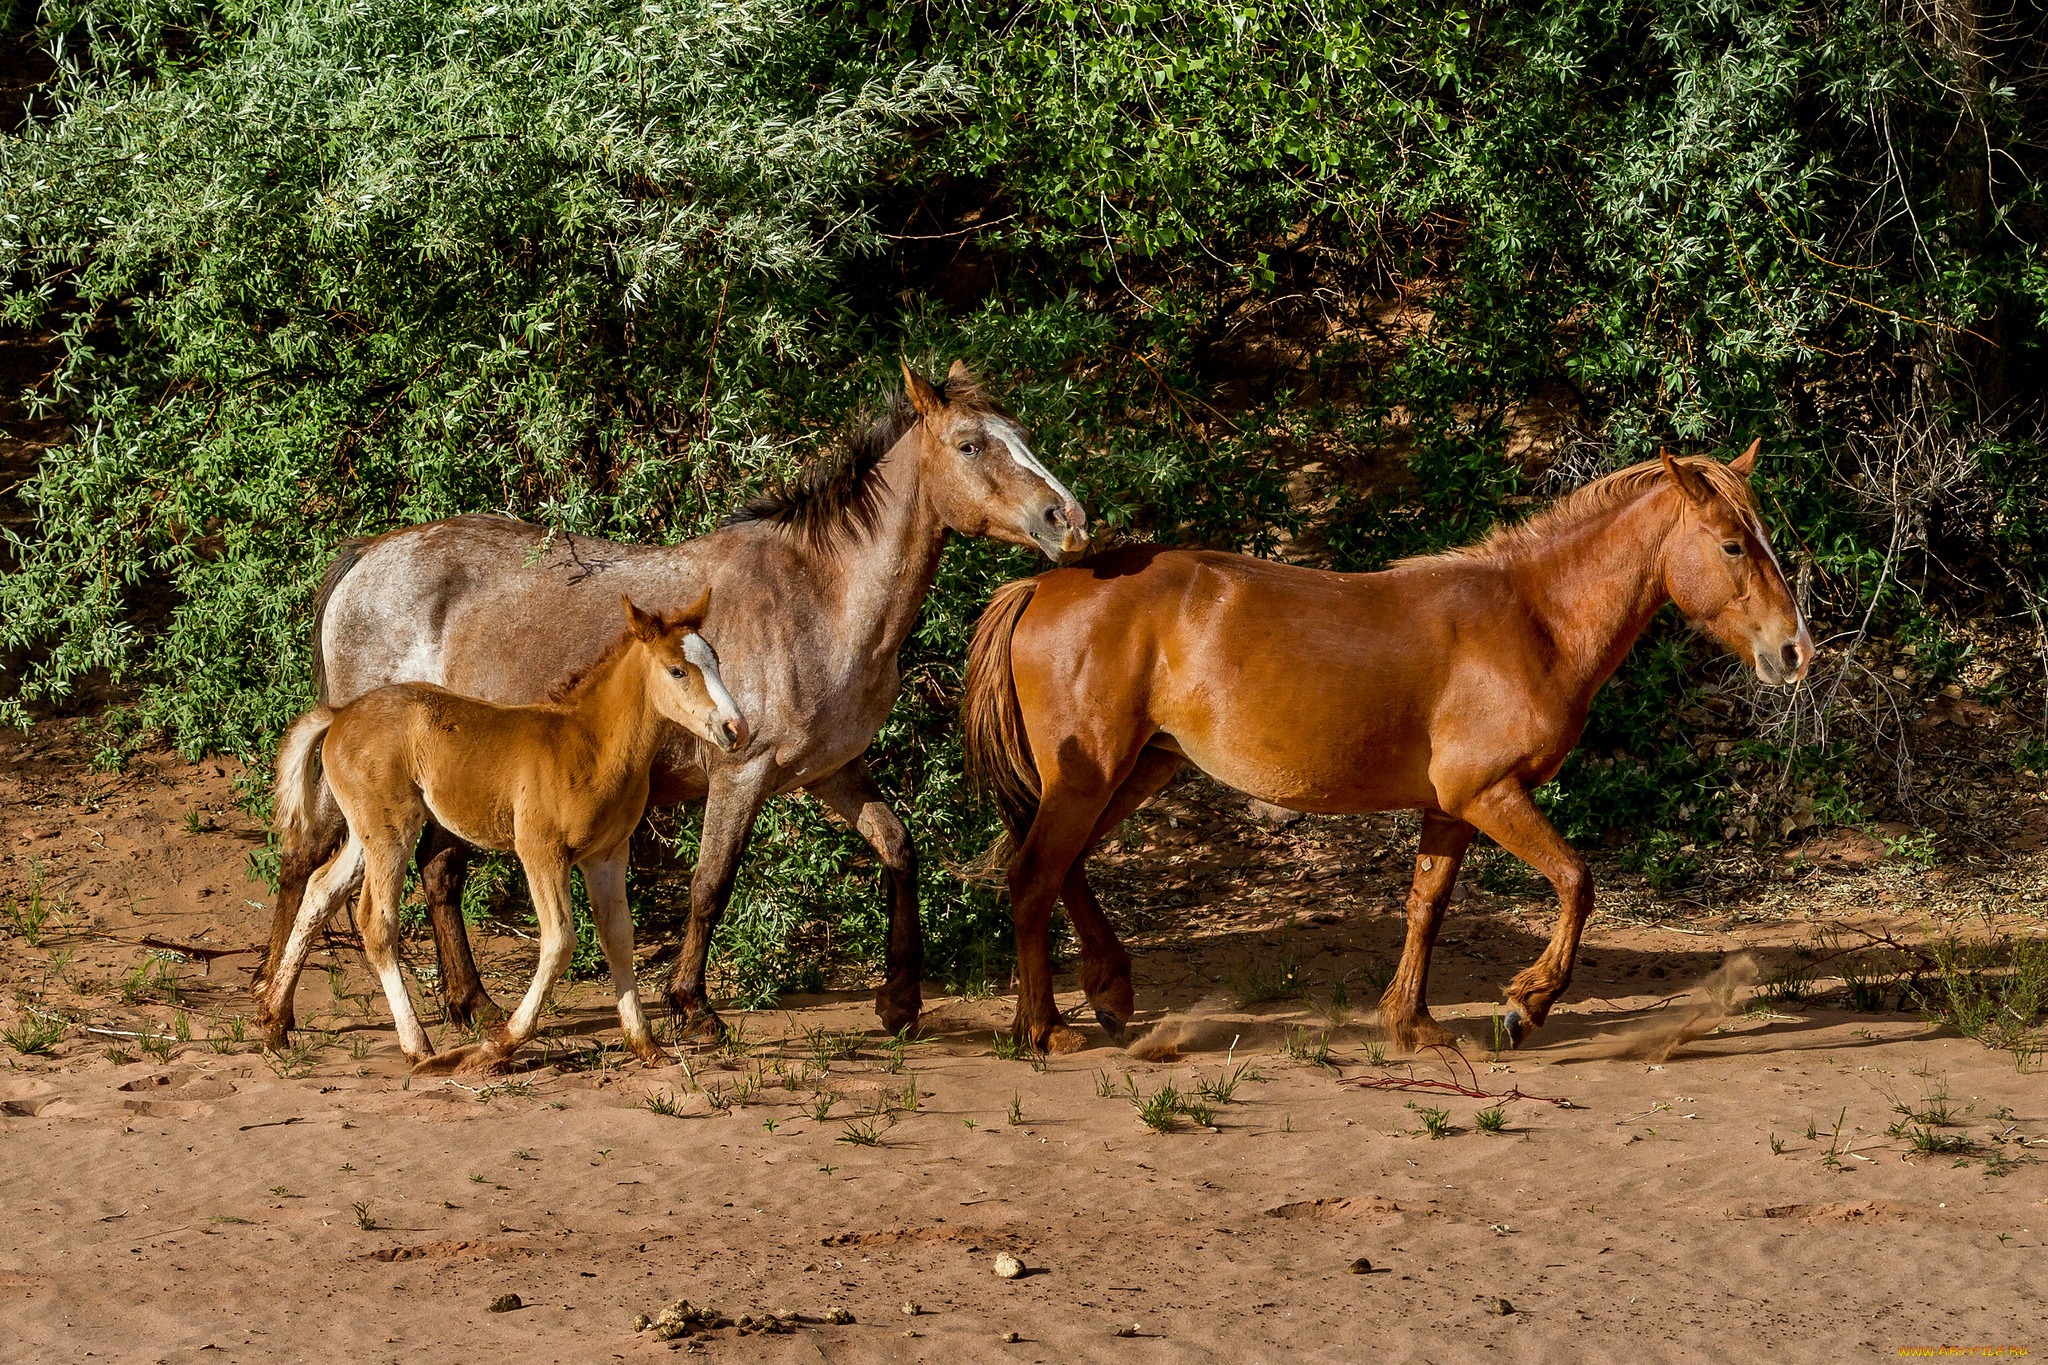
(1404, 1008)
(605, 880)
(853, 796)
(1507, 814)
(730, 805)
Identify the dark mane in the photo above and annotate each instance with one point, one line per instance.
(569, 684)
(840, 496)
(1590, 499)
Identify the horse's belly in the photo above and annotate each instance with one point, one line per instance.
(1329, 779)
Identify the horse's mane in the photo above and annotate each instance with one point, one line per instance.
(566, 688)
(841, 496)
(1588, 500)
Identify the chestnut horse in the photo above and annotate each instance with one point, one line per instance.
(818, 585)
(563, 783)
(1455, 684)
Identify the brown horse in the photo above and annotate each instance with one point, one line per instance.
(563, 783)
(818, 585)
(1455, 684)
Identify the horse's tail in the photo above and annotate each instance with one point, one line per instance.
(344, 560)
(298, 776)
(998, 753)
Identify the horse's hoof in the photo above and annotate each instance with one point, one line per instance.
(897, 1013)
(653, 1055)
(703, 1027)
(1063, 1040)
(1111, 1025)
(1516, 1026)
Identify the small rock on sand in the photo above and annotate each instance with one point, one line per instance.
(1008, 1266)
(1500, 1308)
(506, 1303)
(839, 1317)
(911, 1310)
(1361, 1266)
(1010, 1338)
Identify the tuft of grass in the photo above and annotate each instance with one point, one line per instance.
(155, 1045)
(1255, 983)
(1016, 1109)
(1993, 991)
(820, 1107)
(35, 1035)
(861, 1133)
(1928, 1142)
(1435, 1122)
(30, 917)
(1305, 1045)
(1105, 1088)
(1225, 1085)
(1493, 1120)
(1164, 1107)
(663, 1103)
(363, 1218)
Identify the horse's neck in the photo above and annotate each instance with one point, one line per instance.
(617, 717)
(1595, 586)
(882, 577)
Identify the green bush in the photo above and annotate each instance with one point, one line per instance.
(1335, 283)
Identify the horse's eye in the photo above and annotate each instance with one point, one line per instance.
(675, 672)
(969, 449)
(1731, 548)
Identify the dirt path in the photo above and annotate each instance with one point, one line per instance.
(211, 1203)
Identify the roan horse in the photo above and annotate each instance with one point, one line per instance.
(563, 783)
(817, 588)
(1455, 684)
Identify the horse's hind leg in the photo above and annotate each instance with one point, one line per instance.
(388, 852)
(1105, 966)
(853, 796)
(444, 862)
(1507, 814)
(1404, 1008)
(319, 897)
(297, 868)
(605, 880)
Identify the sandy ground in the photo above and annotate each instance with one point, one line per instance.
(202, 1201)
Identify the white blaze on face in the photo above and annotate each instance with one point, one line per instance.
(1013, 439)
(698, 651)
(1756, 527)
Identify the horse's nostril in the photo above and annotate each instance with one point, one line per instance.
(1056, 516)
(1790, 654)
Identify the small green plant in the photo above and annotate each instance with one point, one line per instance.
(906, 1100)
(181, 1026)
(1005, 1047)
(1105, 1087)
(1493, 1120)
(1016, 1109)
(155, 1045)
(1161, 1109)
(1833, 1160)
(1812, 1130)
(1501, 1039)
(1375, 1054)
(1993, 991)
(119, 1055)
(661, 1103)
(828, 1047)
(768, 1126)
(1777, 1145)
(1225, 1085)
(30, 917)
(861, 1133)
(359, 1048)
(1335, 1008)
(35, 1035)
(363, 1218)
(1930, 1142)
(820, 1107)
(193, 824)
(1304, 1045)
(1435, 1122)
(1256, 983)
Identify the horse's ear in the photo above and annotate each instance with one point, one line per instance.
(1689, 483)
(692, 617)
(1744, 463)
(924, 396)
(643, 625)
(959, 374)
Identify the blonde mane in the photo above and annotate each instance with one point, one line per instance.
(1589, 500)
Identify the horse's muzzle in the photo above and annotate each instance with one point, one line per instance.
(736, 731)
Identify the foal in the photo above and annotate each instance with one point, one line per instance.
(562, 783)
(1454, 684)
